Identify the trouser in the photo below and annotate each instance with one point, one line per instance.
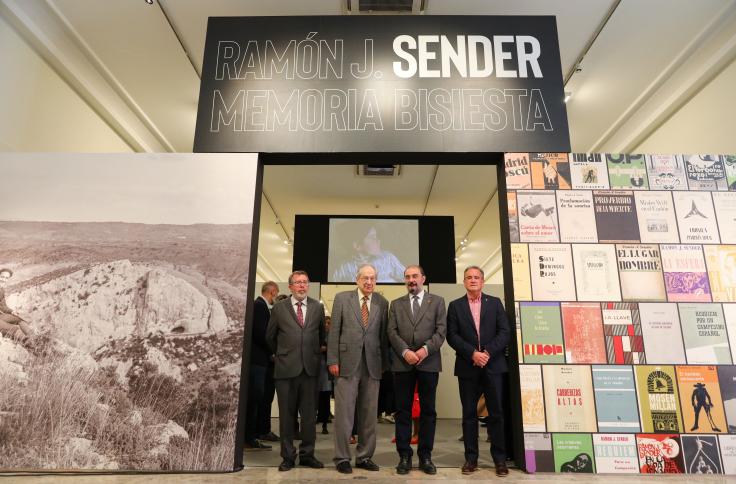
(297, 395)
(404, 384)
(323, 409)
(386, 400)
(256, 382)
(264, 406)
(491, 385)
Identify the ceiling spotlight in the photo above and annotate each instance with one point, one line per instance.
(149, 2)
(568, 95)
(457, 259)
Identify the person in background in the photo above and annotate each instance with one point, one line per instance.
(324, 385)
(11, 325)
(367, 249)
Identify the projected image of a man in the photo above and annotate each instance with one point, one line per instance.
(366, 246)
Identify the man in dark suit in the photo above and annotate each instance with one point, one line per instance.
(260, 364)
(478, 331)
(416, 330)
(357, 352)
(295, 333)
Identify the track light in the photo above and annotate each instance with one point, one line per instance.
(568, 95)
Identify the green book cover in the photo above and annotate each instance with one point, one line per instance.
(541, 332)
(659, 405)
(573, 453)
(627, 171)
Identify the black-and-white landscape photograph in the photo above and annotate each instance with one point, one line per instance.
(123, 284)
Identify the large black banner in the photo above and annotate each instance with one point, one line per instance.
(377, 83)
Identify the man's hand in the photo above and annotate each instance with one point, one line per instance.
(480, 359)
(421, 354)
(411, 357)
(334, 370)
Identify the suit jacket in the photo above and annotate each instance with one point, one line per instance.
(405, 331)
(260, 353)
(494, 334)
(296, 348)
(348, 339)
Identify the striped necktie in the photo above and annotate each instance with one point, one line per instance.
(364, 311)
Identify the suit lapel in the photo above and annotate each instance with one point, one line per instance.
(373, 313)
(426, 300)
(357, 307)
(293, 313)
(485, 307)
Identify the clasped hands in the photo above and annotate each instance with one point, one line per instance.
(415, 357)
(480, 358)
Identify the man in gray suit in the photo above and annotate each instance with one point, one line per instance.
(417, 326)
(295, 333)
(357, 351)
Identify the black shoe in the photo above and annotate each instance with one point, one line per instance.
(367, 464)
(344, 467)
(256, 445)
(426, 465)
(324, 429)
(404, 465)
(310, 462)
(286, 465)
(270, 437)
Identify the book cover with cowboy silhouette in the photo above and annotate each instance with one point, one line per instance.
(550, 171)
(700, 400)
(588, 171)
(659, 406)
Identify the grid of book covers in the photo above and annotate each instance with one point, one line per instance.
(624, 269)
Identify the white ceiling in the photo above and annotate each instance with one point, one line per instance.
(137, 66)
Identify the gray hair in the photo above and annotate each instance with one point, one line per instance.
(363, 266)
(482, 274)
(297, 273)
(267, 286)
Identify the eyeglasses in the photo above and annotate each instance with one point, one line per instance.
(299, 283)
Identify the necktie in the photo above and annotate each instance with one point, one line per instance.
(299, 314)
(364, 311)
(415, 306)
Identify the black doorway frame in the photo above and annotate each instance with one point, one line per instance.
(388, 158)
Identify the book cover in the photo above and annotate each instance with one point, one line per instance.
(538, 453)
(615, 454)
(573, 453)
(518, 171)
(721, 262)
(532, 399)
(704, 333)
(727, 386)
(519, 347)
(701, 453)
(729, 314)
(705, 172)
(627, 171)
(582, 326)
(615, 399)
(568, 398)
(622, 329)
(615, 216)
(727, 444)
(640, 272)
(700, 400)
(660, 454)
(596, 276)
(729, 162)
(685, 277)
(552, 272)
(537, 216)
(513, 216)
(576, 216)
(659, 407)
(666, 172)
(589, 171)
(550, 171)
(725, 207)
(520, 269)
(660, 324)
(696, 218)
(655, 212)
(541, 332)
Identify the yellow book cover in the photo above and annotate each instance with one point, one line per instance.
(700, 399)
(520, 268)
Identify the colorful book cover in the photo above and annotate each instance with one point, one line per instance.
(659, 407)
(696, 218)
(573, 453)
(704, 333)
(577, 216)
(702, 455)
(700, 400)
(519, 348)
(538, 453)
(640, 272)
(721, 260)
(730, 163)
(727, 386)
(622, 329)
(729, 313)
(518, 172)
(705, 172)
(550, 171)
(596, 276)
(685, 276)
(615, 216)
(568, 398)
(660, 324)
(520, 269)
(656, 214)
(583, 329)
(615, 399)
(725, 207)
(513, 217)
(588, 171)
(541, 332)
(627, 171)
(552, 272)
(728, 453)
(666, 172)
(615, 454)
(537, 216)
(532, 399)
(660, 454)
